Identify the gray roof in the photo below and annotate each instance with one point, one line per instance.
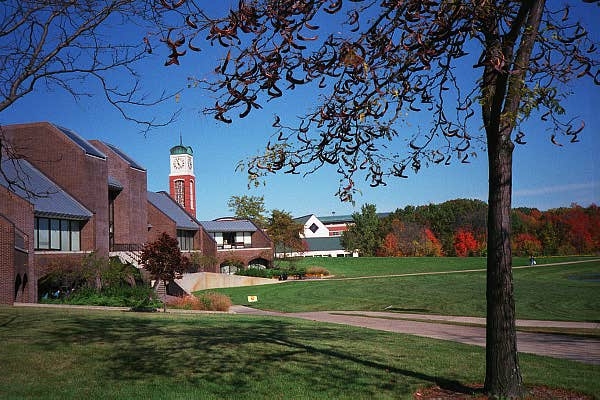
(48, 199)
(132, 163)
(171, 209)
(81, 142)
(324, 243)
(302, 220)
(336, 219)
(239, 225)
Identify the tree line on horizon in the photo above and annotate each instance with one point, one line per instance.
(458, 228)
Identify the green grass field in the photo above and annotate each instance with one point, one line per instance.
(545, 292)
(78, 354)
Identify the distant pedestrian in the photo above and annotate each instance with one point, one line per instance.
(532, 261)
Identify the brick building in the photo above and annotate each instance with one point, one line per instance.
(77, 197)
(63, 197)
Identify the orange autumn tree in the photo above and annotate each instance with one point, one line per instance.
(464, 243)
(526, 244)
(409, 239)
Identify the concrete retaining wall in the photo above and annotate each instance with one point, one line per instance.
(209, 280)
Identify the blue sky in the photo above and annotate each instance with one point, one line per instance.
(545, 175)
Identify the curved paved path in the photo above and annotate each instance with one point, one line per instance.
(586, 350)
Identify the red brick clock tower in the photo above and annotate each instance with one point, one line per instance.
(182, 182)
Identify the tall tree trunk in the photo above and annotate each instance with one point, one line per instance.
(503, 376)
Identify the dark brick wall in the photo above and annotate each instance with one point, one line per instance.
(82, 176)
(130, 205)
(7, 261)
(16, 218)
(260, 239)
(159, 223)
(244, 255)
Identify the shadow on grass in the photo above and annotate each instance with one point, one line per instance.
(229, 355)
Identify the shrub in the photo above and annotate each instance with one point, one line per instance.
(316, 270)
(113, 296)
(209, 301)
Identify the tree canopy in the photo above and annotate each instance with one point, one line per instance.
(163, 259)
(249, 207)
(363, 235)
(285, 232)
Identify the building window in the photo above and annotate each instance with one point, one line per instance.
(314, 228)
(185, 239)
(335, 233)
(191, 195)
(180, 192)
(229, 238)
(57, 234)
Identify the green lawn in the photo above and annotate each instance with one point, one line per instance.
(77, 354)
(350, 267)
(544, 292)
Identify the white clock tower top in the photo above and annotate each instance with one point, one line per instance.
(182, 160)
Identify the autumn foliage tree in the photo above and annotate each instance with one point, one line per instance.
(373, 63)
(163, 259)
(464, 243)
(411, 240)
(285, 232)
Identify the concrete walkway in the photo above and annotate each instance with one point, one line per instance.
(586, 350)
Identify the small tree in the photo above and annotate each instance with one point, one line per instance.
(284, 231)
(163, 260)
(364, 234)
(464, 243)
(249, 207)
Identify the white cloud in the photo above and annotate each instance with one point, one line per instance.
(573, 187)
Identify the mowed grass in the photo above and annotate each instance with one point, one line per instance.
(547, 292)
(352, 267)
(79, 354)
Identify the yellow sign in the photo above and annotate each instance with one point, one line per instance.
(252, 299)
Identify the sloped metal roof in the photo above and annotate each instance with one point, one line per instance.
(302, 220)
(171, 209)
(48, 199)
(324, 243)
(240, 225)
(132, 163)
(81, 142)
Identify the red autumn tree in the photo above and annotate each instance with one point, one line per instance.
(389, 247)
(464, 243)
(163, 259)
(526, 244)
(432, 246)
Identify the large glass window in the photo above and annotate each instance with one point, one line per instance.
(185, 239)
(57, 234)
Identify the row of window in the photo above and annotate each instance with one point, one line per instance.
(57, 234)
(232, 239)
(185, 239)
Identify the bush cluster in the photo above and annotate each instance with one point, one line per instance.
(112, 296)
(96, 281)
(317, 270)
(281, 271)
(209, 301)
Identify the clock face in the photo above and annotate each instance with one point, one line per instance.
(189, 163)
(178, 163)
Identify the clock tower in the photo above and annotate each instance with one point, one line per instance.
(182, 182)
